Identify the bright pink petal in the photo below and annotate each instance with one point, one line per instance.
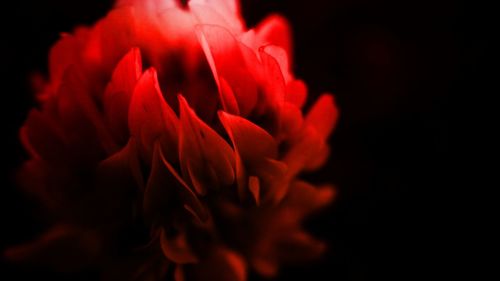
(276, 30)
(218, 12)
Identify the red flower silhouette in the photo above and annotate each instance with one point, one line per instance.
(202, 149)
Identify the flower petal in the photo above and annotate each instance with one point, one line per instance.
(296, 92)
(63, 247)
(167, 193)
(42, 138)
(276, 30)
(323, 115)
(151, 119)
(218, 12)
(254, 187)
(118, 180)
(64, 53)
(304, 198)
(222, 265)
(109, 41)
(116, 99)
(206, 158)
(252, 145)
(225, 59)
(252, 142)
(177, 248)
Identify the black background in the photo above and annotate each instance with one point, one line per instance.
(393, 67)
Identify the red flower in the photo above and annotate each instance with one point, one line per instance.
(202, 149)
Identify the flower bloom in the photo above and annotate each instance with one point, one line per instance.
(167, 144)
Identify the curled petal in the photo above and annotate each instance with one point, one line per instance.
(254, 187)
(276, 30)
(252, 142)
(256, 152)
(151, 118)
(225, 59)
(281, 57)
(206, 158)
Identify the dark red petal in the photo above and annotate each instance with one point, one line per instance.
(167, 193)
(225, 59)
(79, 115)
(273, 84)
(42, 138)
(63, 54)
(63, 248)
(206, 158)
(252, 142)
(253, 146)
(305, 198)
(323, 115)
(118, 180)
(116, 99)
(177, 248)
(273, 180)
(298, 246)
(291, 119)
(150, 118)
(221, 265)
